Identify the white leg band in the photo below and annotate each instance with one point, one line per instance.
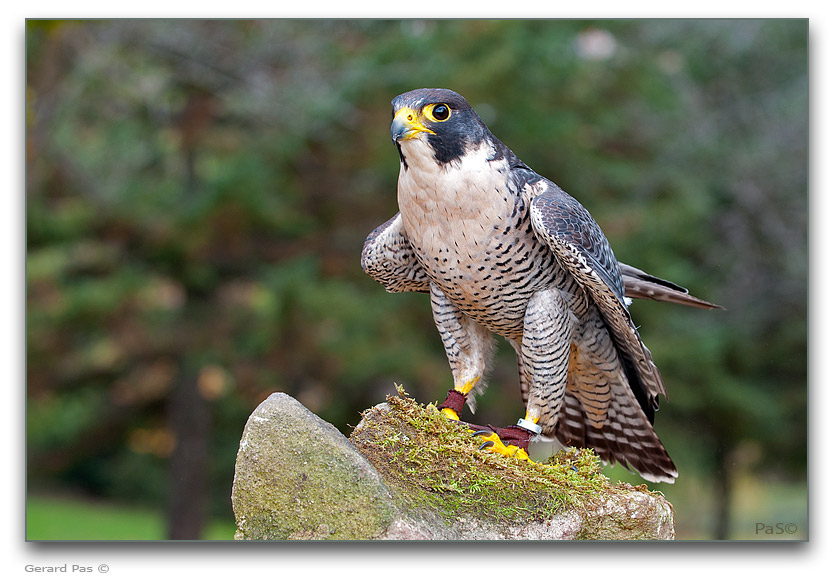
(530, 426)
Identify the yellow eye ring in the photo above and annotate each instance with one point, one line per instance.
(437, 112)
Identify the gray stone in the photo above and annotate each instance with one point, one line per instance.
(298, 478)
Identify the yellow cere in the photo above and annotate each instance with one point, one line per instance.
(410, 118)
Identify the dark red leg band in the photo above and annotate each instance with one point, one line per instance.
(513, 435)
(454, 401)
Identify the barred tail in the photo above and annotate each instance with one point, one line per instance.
(626, 437)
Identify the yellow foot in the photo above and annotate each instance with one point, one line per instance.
(491, 440)
(493, 443)
(449, 413)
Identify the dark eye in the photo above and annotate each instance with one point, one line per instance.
(439, 112)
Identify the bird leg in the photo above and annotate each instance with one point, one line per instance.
(452, 407)
(512, 441)
(468, 347)
(544, 357)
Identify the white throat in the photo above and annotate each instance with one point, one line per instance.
(470, 175)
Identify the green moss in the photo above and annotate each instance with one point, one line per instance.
(435, 464)
(320, 489)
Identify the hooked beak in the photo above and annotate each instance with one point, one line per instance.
(407, 125)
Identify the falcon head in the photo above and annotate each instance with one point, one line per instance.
(438, 122)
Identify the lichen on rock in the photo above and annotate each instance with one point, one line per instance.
(435, 467)
(297, 477)
(409, 473)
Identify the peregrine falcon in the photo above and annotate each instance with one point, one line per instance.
(502, 250)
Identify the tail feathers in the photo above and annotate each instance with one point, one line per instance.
(639, 284)
(605, 404)
(627, 437)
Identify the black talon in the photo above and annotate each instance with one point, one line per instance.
(482, 432)
(486, 444)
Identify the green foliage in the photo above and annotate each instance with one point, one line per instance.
(198, 193)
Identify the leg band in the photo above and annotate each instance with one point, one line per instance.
(530, 426)
(454, 401)
(513, 435)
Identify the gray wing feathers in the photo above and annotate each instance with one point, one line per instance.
(582, 247)
(388, 258)
(558, 219)
(638, 284)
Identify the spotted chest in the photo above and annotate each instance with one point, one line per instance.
(472, 234)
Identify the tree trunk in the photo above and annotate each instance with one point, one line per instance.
(189, 421)
(188, 413)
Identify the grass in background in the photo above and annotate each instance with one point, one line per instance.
(50, 518)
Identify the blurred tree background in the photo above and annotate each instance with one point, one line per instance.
(198, 193)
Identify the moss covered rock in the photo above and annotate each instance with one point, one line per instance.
(409, 473)
(297, 477)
